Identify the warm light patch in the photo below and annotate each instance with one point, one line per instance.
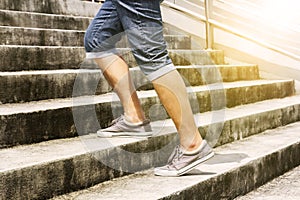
(281, 12)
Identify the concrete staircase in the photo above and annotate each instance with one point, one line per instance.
(52, 101)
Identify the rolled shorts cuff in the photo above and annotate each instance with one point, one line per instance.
(162, 71)
(103, 54)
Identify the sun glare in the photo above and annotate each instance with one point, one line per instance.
(282, 12)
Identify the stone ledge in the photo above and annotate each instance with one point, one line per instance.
(58, 37)
(284, 187)
(18, 58)
(32, 122)
(237, 168)
(51, 84)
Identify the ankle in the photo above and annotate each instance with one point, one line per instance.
(133, 120)
(194, 146)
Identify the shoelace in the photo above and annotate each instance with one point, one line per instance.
(113, 122)
(176, 155)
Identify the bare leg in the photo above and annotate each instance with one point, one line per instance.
(172, 93)
(117, 74)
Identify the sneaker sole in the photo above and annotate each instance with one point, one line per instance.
(185, 169)
(195, 164)
(123, 134)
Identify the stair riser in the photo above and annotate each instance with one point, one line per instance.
(238, 129)
(251, 94)
(32, 20)
(61, 85)
(215, 74)
(49, 86)
(39, 126)
(197, 57)
(34, 37)
(41, 58)
(61, 7)
(85, 170)
(38, 37)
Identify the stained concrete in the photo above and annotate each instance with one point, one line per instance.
(51, 84)
(73, 164)
(60, 37)
(61, 7)
(237, 168)
(40, 20)
(20, 58)
(51, 119)
(46, 169)
(284, 187)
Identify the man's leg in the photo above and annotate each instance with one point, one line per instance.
(143, 23)
(117, 74)
(172, 93)
(145, 35)
(100, 39)
(192, 150)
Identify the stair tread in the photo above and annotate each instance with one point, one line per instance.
(35, 106)
(40, 153)
(229, 158)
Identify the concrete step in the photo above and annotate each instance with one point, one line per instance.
(60, 166)
(236, 169)
(27, 123)
(51, 84)
(18, 58)
(61, 7)
(24, 19)
(40, 37)
(285, 186)
(39, 20)
(59, 37)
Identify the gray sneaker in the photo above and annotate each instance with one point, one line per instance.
(119, 127)
(180, 163)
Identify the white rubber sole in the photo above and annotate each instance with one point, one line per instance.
(123, 134)
(184, 170)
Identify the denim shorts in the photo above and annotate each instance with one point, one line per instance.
(141, 21)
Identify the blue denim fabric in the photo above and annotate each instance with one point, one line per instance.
(141, 21)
